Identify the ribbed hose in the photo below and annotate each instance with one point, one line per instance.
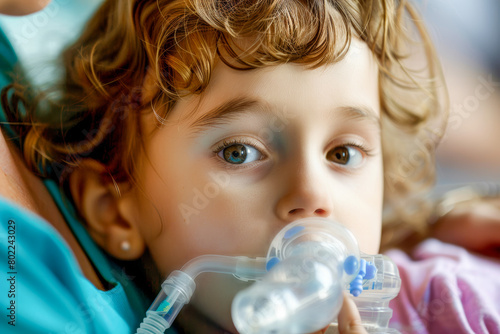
(153, 324)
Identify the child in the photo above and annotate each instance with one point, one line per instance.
(194, 127)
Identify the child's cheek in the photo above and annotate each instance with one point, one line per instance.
(359, 208)
(235, 225)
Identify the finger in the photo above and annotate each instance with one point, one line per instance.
(349, 318)
(321, 331)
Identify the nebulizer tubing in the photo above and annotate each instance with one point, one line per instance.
(298, 287)
(177, 289)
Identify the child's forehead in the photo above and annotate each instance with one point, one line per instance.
(350, 83)
(359, 65)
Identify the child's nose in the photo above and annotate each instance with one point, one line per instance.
(306, 196)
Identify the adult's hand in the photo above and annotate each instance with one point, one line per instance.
(474, 225)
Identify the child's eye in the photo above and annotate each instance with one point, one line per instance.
(239, 153)
(345, 155)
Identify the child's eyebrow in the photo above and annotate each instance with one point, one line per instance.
(229, 110)
(241, 105)
(360, 112)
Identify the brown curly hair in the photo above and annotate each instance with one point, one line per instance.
(176, 43)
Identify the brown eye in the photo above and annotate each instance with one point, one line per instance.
(235, 154)
(348, 155)
(339, 155)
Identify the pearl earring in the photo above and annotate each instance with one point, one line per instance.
(125, 246)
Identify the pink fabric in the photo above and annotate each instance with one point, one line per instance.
(446, 289)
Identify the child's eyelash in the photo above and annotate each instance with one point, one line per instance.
(361, 147)
(226, 143)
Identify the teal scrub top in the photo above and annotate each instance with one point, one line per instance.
(8, 60)
(42, 289)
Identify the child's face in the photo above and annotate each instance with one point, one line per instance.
(225, 181)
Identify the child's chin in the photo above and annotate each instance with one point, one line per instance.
(214, 295)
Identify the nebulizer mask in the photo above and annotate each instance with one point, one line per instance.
(299, 286)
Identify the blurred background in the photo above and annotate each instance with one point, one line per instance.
(467, 36)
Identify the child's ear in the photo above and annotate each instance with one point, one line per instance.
(97, 199)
